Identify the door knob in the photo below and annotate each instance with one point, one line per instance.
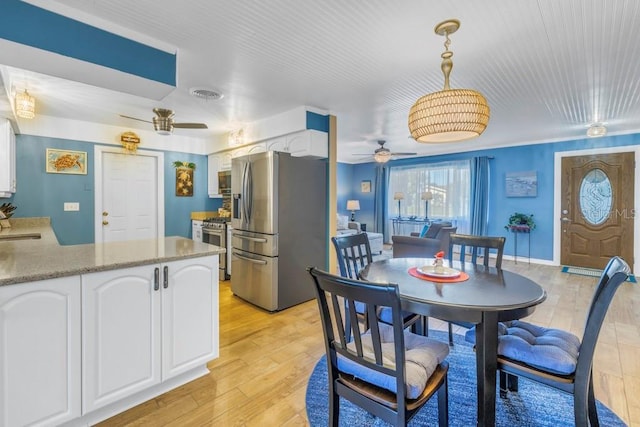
(105, 213)
(565, 219)
(105, 222)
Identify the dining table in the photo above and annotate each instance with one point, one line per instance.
(464, 292)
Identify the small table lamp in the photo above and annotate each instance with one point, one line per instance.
(353, 206)
(398, 196)
(426, 196)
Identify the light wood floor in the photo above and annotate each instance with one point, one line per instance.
(265, 359)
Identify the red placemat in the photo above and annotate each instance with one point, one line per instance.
(461, 278)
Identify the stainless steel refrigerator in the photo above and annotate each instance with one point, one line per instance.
(279, 219)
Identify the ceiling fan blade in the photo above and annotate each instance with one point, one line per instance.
(362, 154)
(135, 118)
(190, 126)
(404, 154)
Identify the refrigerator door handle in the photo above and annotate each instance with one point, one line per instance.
(244, 193)
(255, 261)
(251, 239)
(249, 192)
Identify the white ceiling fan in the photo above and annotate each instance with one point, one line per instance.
(163, 122)
(383, 154)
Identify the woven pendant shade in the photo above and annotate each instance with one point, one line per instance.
(449, 115)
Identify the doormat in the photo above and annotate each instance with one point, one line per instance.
(591, 272)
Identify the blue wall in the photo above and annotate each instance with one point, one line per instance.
(538, 157)
(43, 194)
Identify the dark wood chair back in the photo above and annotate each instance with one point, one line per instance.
(395, 408)
(471, 245)
(354, 253)
(580, 383)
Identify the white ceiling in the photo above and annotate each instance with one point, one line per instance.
(548, 68)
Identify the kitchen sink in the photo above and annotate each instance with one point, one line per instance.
(26, 236)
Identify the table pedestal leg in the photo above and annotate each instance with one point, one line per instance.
(486, 365)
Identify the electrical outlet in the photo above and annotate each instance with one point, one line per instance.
(71, 206)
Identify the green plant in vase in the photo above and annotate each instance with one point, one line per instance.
(520, 221)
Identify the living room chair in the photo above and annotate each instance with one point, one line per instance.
(354, 254)
(387, 371)
(558, 358)
(469, 247)
(435, 240)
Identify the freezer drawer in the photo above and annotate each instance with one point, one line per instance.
(255, 278)
(257, 243)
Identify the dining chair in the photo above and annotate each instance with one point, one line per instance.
(558, 358)
(387, 371)
(354, 254)
(470, 248)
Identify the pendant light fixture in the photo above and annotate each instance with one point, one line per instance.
(449, 115)
(25, 105)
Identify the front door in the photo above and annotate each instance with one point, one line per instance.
(127, 202)
(597, 209)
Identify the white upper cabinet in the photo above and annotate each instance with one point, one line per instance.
(213, 167)
(300, 144)
(7, 159)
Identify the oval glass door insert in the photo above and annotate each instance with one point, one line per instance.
(596, 197)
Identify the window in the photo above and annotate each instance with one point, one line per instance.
(449, 182)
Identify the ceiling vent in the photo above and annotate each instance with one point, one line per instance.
(206, 94)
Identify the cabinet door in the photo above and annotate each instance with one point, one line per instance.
(189, 314)
(277, 144)
(7, 159)
(120, 334)
(308, 143)
(225, 160)
(260, 147)
(40, 352)
(213, 166)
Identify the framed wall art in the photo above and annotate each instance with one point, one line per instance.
(522, 184)
(66, 161)
(365, 186)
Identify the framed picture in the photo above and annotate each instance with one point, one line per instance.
(184, 182)
(66, 161)
(521, 184)
(365, 186)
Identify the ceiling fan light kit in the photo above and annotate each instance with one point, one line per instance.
(596, 130)
(449, 115)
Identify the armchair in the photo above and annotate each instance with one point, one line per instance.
(436, 239)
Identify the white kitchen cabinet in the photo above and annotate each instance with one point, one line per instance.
(213, 167)
(7, 159)
(300, 144)
(225, 160)
(144, 325)
(40, 352)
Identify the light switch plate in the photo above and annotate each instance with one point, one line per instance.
(71, 206)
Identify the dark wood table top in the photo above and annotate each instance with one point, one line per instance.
(487, 289)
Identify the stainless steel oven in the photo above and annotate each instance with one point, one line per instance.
(214, 232)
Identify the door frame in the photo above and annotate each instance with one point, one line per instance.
(557, 182)
(98, 151)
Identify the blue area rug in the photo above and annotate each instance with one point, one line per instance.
(592, 272)
(532, 405)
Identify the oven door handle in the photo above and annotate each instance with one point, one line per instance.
(210, 231)
(251, 239)
(255, 261)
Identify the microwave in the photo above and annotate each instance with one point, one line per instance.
(224, 183)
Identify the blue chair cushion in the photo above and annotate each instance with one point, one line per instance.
(424, 230)
(422, 356)
(470, 335)
(551, 350)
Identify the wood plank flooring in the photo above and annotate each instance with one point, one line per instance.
(265, 359)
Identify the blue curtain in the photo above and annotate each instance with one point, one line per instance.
(479, 195)
(380, 202)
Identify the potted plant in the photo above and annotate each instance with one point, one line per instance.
(520, 222)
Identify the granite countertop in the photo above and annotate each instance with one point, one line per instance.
(39, 259)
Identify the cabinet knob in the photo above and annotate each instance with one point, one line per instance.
(105, 222)
(105, 213)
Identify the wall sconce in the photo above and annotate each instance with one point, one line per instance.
(130, 142)
(25, 105)
(398, 196)
(353, 206)
(236, 137)
(426, 196)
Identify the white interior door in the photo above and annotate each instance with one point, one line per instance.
(129, 196)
